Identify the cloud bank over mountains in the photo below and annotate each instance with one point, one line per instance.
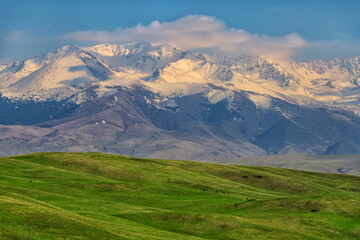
(201, 33)
(195, 32)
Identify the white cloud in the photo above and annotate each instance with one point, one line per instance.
(195, 32)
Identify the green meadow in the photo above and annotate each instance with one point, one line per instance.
(102, 196)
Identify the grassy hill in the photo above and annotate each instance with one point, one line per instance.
(338, 163)
(101, 196)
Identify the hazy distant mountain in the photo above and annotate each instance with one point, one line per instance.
(154, 101)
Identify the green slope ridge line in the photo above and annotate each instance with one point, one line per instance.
(103, 196)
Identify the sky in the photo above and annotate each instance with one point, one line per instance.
(298, 30)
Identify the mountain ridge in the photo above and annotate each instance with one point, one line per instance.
(148, 100)
(154, 60)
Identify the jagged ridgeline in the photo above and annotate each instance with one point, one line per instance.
(158, 101)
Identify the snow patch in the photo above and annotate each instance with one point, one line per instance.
(170, 103)
(216, 96)
(261, 101)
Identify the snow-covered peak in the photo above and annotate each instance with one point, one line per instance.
(349, 65)
(139, 57)
(193, 70)
(67, 50)
(168, 69)
(111, 50)
(57, 54)
(134, 49)
(165, 50)
(257, 68)
(63, 68)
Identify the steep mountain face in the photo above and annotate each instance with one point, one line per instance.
(158, 101)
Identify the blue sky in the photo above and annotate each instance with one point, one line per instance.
(301, 30)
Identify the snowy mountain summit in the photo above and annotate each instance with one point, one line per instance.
(159, 101)
(170, 70)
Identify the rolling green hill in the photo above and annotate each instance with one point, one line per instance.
(101, 196)
(337, 163)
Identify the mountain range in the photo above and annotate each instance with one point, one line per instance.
(157, 101)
